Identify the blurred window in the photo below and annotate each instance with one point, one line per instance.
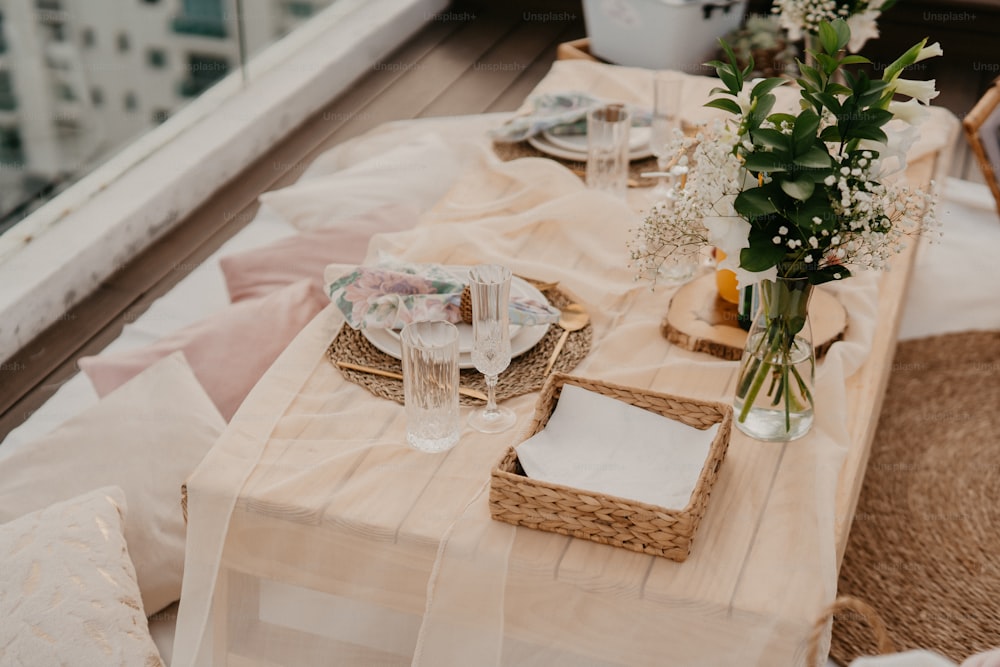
(67, 105)
(203, 71)
(201, 17)
(157, 58)
(11, 153)
(8, 101)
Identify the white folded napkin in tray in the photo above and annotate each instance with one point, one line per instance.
(601, 444)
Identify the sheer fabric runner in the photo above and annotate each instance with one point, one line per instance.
(316, 536)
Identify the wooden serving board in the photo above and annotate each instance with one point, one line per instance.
(701, 321)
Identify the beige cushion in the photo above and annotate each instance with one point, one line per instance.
(147, 437)
(228, 351)
(68, 593)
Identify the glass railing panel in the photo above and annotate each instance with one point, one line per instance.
(82, 79)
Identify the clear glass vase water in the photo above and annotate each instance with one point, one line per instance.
(774, 390)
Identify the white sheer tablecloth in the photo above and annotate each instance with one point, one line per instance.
(316, 536)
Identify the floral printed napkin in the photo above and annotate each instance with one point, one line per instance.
(394, 293)
(560, 113)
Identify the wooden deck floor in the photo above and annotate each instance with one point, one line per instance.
(487, 60)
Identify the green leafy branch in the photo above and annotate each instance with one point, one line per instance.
(799, 161)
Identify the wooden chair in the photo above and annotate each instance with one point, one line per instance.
(982, 129)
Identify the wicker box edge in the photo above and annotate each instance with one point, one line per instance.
(621, 522)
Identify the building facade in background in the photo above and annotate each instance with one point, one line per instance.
(80, 79)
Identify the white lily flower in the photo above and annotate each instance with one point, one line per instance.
(892, 158)
(863, 27)
(911, 111)
(730, 234)
(920, 90)
(746, 278)
(743, 100)
(792, 23)
(931, 51)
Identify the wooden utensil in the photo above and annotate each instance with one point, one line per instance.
(573, 318)
(465, 391)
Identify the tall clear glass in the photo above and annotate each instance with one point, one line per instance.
(490, 288)
(607, 148)
(667, 91)
(430, 385)
(668, 87)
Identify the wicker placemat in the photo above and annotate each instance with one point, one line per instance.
(507, 151)
(525, 373)
(924, 549)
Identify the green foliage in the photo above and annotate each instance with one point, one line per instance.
(799, 161)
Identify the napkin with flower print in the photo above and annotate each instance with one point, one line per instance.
(394, 293)
(559, 113)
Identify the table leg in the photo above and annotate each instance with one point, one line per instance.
(235, 612)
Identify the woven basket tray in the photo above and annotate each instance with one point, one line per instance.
(630, 524)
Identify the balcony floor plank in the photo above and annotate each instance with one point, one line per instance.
(496, 70)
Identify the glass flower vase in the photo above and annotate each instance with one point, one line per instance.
(774, 390)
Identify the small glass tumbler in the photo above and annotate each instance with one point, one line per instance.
(430, 385)
(608, 148)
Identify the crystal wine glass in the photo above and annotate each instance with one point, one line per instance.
(490, 288)
(666, 119)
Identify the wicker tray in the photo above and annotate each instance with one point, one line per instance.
(630, 524)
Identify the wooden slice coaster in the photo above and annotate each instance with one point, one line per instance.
(699, 320)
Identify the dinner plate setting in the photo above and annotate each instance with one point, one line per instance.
(373, 355)
(522, 338)
(574, 146)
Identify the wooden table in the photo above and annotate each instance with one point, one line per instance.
(339, 515)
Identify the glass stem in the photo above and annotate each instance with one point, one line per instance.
(661, 164)
(491, 394)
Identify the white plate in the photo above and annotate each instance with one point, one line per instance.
(544, 145)
(466, 340)
(638, 139)
(522, 338)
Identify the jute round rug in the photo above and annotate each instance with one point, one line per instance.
(924, 549)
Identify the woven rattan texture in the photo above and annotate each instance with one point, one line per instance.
(525, 373)
(508, 151)
(924, 549)
(629, 524)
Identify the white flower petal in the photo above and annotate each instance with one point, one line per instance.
(931, 51)
(729, 234)
(745, 278)
(863, 27)
(910, 111)
(921, 90)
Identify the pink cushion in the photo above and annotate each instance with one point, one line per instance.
(228, 352)
(260, 271)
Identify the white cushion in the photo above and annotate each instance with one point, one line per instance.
(68, 593)
(145, 437)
